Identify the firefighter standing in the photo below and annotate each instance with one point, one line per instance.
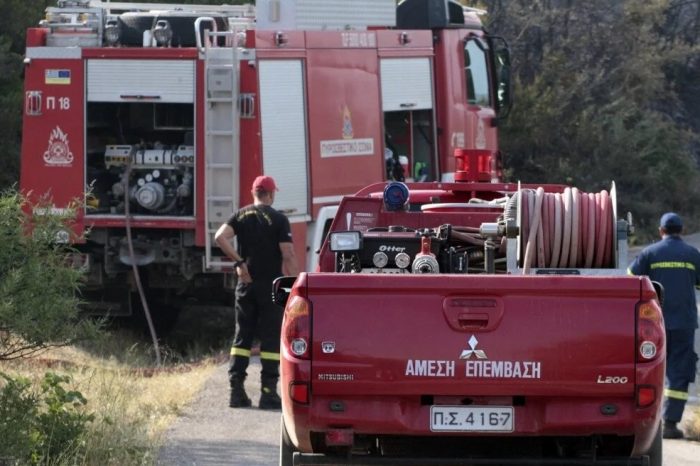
(265, 252)
(676, 265)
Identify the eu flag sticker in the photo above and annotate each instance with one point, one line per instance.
(57, 77)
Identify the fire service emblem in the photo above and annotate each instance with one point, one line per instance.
(58, 153)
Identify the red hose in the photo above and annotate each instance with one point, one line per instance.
(535, 209)
(546, 230)
(540, 229)
(575, 225)
(552, 227)
(566, 230)
(590, 232)
(556, 246)
(525, 219)
(584, 228)
(607, 213)
(601, 226)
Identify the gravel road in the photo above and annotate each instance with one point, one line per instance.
(210, 433)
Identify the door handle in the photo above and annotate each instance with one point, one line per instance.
(469, 313)
(473, 321)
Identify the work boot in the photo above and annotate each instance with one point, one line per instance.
(239, 398)
(269, 398)
(671, 431)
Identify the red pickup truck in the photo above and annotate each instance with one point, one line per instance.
(444, 327)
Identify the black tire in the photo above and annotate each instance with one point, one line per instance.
(655, 452)
(287, 449)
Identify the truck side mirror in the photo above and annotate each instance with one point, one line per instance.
(281, 288)
(502, 70)
(659, 288)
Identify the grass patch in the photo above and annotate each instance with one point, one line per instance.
(133, 402)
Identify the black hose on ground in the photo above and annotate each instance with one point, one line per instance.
(137, 276)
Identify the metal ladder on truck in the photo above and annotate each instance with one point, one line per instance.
(221, 126)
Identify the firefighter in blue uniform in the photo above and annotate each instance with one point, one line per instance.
(676, 265)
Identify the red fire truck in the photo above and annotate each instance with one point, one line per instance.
(160, 116)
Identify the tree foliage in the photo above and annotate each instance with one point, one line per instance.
(598, 99)
(16, 17)
(38, 282)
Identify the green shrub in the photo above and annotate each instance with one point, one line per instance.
(18, 413)
(41, 425)
(38, 282)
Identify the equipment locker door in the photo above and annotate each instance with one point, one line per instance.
(406, 84)
(283, 122)
(162, 81)
(53, 145)
(408, 115)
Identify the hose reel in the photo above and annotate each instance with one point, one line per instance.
(567, 230)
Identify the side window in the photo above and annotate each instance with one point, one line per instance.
(326, 228)
(476, 72)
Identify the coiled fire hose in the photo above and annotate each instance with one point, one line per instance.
(566, 230)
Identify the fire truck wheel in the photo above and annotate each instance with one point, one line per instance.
(286, 447)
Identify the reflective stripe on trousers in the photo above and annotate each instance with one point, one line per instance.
(240, 352)
(269, 356)
(676, 394)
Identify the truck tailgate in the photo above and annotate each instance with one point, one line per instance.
(501, 335)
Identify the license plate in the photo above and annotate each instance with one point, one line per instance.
(471, 418)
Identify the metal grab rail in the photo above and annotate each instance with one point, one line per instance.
(197, 31)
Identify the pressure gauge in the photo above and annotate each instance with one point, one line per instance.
(402, 260)
(380, 259)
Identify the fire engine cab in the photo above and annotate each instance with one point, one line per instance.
(159, 116)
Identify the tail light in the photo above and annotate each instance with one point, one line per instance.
(299, 392)
(646, 395)
(296, 328)
(650, 331)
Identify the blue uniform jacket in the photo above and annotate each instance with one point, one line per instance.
(676, 265)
